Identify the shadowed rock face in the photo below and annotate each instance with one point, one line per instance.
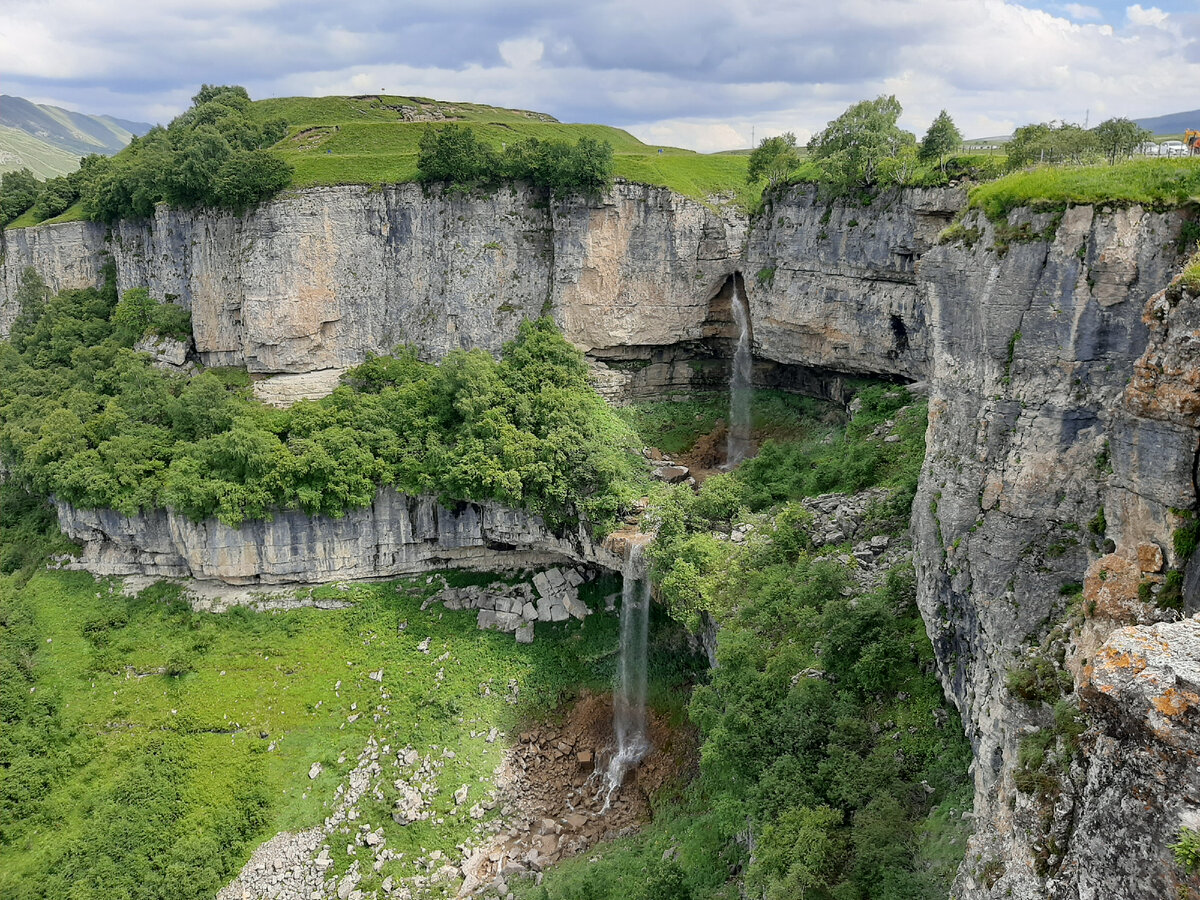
(835, 285)
(1063, 382)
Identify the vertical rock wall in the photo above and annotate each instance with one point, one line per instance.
(833, 285)
(1030, 437)
(66, 256)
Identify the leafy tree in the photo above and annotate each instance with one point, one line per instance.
(591, 166)
(19, 190)
(248, 177)
(796, 855)
(135, 312)
(1120, 138)
(454, 154)
(853, 151)
(942, 138)
(1050, 143)
(211, 155)
(773, 159)
(32, 294)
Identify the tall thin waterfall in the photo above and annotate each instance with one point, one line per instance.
(629, 707)
(738, 442)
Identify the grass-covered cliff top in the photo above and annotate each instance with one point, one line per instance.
(1154, 183)
(232, 152)
(374, 140)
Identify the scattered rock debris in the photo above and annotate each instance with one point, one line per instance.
(514, 608)
(547, 802)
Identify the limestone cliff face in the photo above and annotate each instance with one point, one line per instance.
(66, 256)
(1032, 433)
(317, 279)
(396, 535)
(834, 285)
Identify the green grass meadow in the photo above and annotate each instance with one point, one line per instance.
(150, 739)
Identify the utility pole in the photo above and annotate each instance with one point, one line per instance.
(751, 137)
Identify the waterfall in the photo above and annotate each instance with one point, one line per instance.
(629, 704)
(738, 442)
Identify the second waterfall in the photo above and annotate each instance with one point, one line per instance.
(629, 712)
(737, 446)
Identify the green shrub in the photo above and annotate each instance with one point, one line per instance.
(1171, 595)
(1187, 850)
(1037, 680)
(455, 155)
(85, 418)
(1185, 538)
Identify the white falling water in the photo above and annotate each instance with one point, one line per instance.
(738, 442)
(629, 706)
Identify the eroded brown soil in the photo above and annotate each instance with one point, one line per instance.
(554, 780)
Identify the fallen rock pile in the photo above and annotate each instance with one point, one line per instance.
(514, 608)
(555, 799)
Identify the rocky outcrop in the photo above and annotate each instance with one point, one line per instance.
(1038, 462)
(1139, 781)
(66, 256)
(396, 535)
(833, 285)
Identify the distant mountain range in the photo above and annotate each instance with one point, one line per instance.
(1173, 123)
(50, 140)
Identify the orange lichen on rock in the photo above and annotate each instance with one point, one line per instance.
(1110, 588)
(1120, 659)
(1173, 702)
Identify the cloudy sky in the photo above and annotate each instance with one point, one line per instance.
(693, 73)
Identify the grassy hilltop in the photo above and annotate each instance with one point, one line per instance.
(374, 140)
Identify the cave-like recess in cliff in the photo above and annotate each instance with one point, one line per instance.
(704, 363)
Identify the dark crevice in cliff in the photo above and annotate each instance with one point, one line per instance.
(1191, 578)
(703, 364)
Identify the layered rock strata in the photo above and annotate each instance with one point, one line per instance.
(396, 535)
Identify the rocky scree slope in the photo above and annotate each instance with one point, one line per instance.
(1062, 431)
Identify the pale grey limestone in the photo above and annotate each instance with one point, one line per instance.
(396, 535)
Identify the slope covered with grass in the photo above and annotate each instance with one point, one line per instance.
(1153, 183)
(368, 140)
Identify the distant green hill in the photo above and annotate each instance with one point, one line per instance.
(50, 140)
(1172, 123)
(20, 150)
(375, 140)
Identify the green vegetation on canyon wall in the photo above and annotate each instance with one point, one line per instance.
(142, 748)
(146, 749)
(86, 418)
(824, 740)
(826, 744)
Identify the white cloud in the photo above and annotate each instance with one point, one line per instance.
(698, 73)
(1151, 17)
(521, 53)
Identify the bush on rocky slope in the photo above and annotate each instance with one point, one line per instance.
(84, 417)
